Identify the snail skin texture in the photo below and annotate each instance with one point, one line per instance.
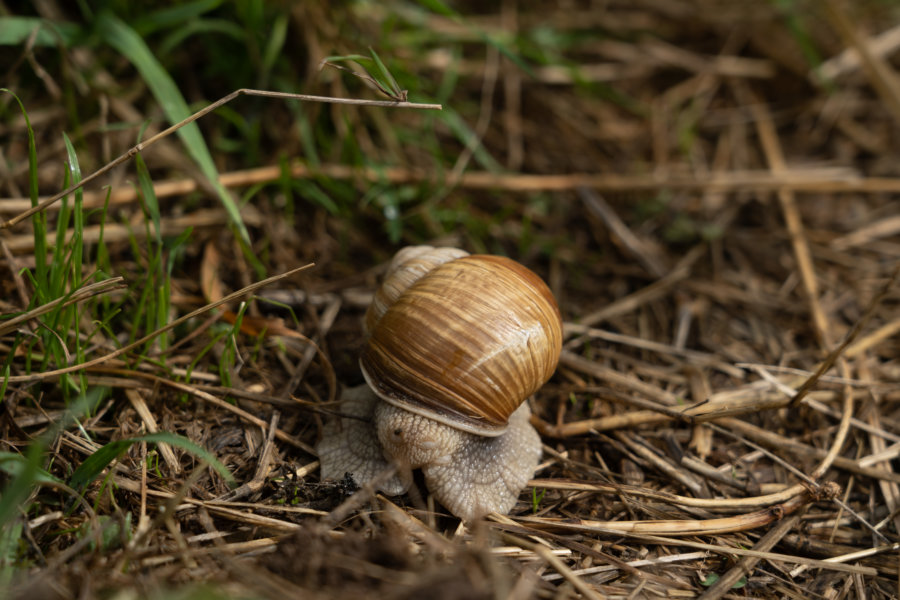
(456, 345)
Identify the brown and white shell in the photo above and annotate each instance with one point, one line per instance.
(407, 267)
(464, 340)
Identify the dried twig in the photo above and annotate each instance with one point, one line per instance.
(201, 113)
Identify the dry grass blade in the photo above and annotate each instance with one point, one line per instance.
(796, 179)
(693, 356)
(643, 252)
(747, 563)
(655, 562)
(719, 549)
(710, 504)
(262, 467)
(775, 157)
(80, 295)
(685, 527)
(224, 405)
(577, 582)
(137, 401)
(781, 443)
(113, 233)
(881, 75)
(889, 226)
(851, 336)
(883, 333)
(604, 373)
(628, 304)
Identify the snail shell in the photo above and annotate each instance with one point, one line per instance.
(464, 343)
(407, 267)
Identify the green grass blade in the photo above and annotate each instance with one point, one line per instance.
(10, 539)
(197, 27)
(15, 31)
(275, 45)
(29, 471)
(309, 190)
(4, 383)
(465, 135)
(13, 464)
(94, 464)
(151, 203)
(57, 261)
(440, 8)
(16, 491)
(39, 220)
(346, 57)
(103, 260)
(76, 254)
(91, 468)
(180, 13)
(77, 251)
(124, 39)
(389, 82)
(57, 320)
(307, 139)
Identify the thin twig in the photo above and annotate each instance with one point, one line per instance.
(746, 564)
(821, 180)
(83, 293)
(829, 360)
(140, 147)
(586, 590)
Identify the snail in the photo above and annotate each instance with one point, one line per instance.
(456, 344)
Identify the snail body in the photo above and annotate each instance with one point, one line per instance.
(456, 345)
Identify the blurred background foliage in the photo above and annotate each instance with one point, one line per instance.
(212, 48)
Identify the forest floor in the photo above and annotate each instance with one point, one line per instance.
(710, 189)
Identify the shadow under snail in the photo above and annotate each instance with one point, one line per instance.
(456, 344)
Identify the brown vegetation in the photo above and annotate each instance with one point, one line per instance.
(709, 188)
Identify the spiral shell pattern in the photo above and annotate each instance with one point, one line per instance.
(466, 343)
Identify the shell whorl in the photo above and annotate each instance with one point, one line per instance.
(407, 267)
(465, 343)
